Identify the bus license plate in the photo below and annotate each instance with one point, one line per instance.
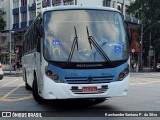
(89, 89)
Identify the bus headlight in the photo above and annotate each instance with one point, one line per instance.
(123, 74)
(48, 72)
(55, 77)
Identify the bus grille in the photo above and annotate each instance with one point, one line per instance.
(85, 80)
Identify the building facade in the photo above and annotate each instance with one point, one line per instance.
(19, 14)
(5, 34)
(23, 13)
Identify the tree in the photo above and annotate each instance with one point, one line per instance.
(148, 11)
(2, 22)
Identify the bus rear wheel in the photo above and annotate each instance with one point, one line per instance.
(35, 93)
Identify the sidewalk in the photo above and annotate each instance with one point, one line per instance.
(12, 73)
(8, 72)
(145, 69)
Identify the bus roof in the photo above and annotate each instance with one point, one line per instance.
(77, 7)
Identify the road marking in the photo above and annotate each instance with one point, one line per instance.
(150, 82)
(17, 99)
(5, 96)
(136, 81)
(9, 83)
(140, 83)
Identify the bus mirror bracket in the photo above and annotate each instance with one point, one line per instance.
(40, 33)
(40, 28)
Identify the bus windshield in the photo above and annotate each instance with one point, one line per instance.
(69, 33)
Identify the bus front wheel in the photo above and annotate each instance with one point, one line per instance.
(99, 100)
(35, 93)
(26, 84)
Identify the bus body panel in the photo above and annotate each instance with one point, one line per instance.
(31, 66)
(63, 91)
(52, 90)
(112, 73)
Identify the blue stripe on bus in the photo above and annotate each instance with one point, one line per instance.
(76, 76)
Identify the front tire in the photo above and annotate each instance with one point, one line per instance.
(35, 93)
(99, 100)
(26, 84)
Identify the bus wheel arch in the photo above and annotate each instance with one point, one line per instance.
(25, 79)
(35, 93)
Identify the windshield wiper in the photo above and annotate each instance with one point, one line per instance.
(75, 42)
(93, 42)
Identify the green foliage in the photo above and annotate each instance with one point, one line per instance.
(2, 22)
(157, 44)
(148, 11)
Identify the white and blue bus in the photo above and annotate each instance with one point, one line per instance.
(76, 52)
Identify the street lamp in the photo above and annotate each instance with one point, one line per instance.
(10, 49)
(141, 40)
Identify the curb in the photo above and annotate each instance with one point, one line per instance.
(12, 74)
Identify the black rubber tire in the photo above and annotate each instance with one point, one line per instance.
(1, 77)
(99, 100)
(35, 93)
(27, 86)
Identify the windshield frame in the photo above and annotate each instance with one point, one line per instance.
(65, 62)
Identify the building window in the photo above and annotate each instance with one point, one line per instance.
(32, 15)
(24, 17)
(31, 2)
(68, 2)
(56, 2)
(107, 3)
(114, 4)
(23, 2)
(15, 3)
(46, 3)
(2, 40)
(16, 18)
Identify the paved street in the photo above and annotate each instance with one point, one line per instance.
(143, 95)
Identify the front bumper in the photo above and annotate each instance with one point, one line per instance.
(52, 90)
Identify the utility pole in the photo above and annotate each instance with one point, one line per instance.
(10, 39)
(10, 50)
(154, 64)
(149, 55)
(141, 49)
